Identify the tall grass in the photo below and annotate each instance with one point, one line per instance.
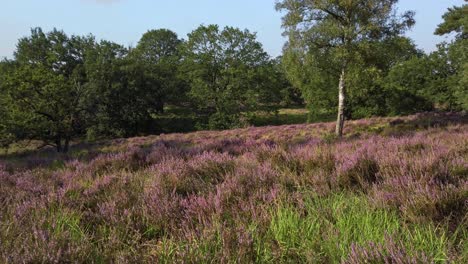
(326, 230)
(284, 194)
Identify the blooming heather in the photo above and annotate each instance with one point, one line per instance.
(231, 196)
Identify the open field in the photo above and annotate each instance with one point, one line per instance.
(394, 191)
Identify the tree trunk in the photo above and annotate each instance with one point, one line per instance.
(341, 105)
(66, 146)
(62, 146)
(58, 145)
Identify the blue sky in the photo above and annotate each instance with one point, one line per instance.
(124, 21)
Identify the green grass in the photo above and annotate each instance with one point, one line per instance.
(324, 229)
(64, 221)
(321, 230)
(198, 198)
(296, 236)
(20, 147)
(282, 117)
(177, 119)
(181, 120)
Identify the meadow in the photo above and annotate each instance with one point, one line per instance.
(394, 190)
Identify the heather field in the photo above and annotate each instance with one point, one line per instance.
(395, 190)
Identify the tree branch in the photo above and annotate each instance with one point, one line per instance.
(334, 15)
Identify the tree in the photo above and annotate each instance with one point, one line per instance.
(435, 80)
(285, 94)
(369, 95)
(456, 21)
(342, 30)
(406, 86)
(46, 87)
(124, 94)
(107, 97)
(311, 73)
(225, 71)
(132, 86)
(6, 134)
(158, 52)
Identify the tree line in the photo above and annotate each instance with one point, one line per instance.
(359, 47)
(59, 88)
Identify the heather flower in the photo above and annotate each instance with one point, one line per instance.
(389, 252)
(210, 195)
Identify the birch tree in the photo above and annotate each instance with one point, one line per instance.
(343, 30)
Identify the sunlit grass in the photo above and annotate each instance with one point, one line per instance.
(284, 194)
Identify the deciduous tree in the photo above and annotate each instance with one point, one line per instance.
(340, 31)
(456, 21)
(46, 88)
(224, 70)
(158, 52)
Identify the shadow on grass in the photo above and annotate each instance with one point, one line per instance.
(30, 158)
(290, 117)
(422, 121)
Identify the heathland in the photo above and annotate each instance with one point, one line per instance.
(394, 190)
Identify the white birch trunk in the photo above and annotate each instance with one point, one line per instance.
(341, 105)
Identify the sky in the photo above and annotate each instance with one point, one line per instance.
(124, 21)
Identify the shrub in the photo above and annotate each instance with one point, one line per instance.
(243, 195)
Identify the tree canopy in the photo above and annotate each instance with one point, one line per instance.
(226, 72)
(456, 21)
(340, 33)
(60, 88)
(46, 87)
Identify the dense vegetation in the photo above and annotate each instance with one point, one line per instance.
(389, 187)
(382, 72)
(60, 88)
(393, 192)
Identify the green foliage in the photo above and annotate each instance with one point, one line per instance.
(45, 89)
(220, 120)
(61, 88)
(159, 52)
(455, 20)
(369, 97)
(132, 87)
(429, 78)
(357, 40)
(280, 117)
(437, 80)
(228, 73)
(281, 90)
(317, 84)
(6, 132)
(406, 83)
(108, 99)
